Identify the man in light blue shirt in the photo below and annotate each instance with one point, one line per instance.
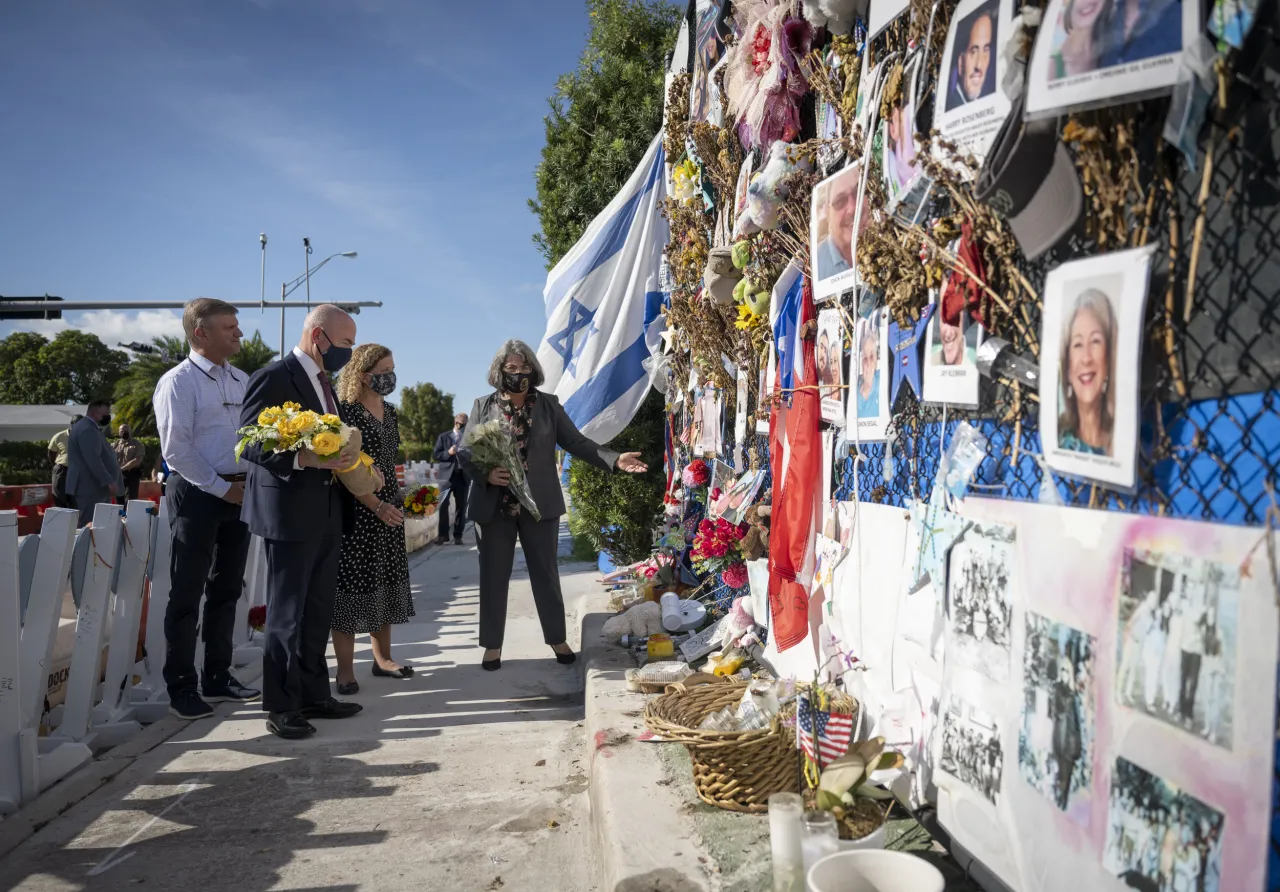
(835, 252)
(197, 407)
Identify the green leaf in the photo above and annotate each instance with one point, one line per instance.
(870, 791)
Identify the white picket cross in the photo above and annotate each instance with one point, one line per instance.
(44, 761)
(113, 720)
(150, 698)
(10, 637)
(95, 608)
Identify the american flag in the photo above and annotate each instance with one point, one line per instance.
(832, 731)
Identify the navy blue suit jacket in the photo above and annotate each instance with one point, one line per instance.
(280, 502)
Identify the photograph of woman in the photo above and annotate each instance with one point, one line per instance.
(1086, 397)
(829, 355)
(868, 394)
(1078, 30)
(373, 570)
(900, 148)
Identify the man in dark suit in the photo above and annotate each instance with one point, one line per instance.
(93, 474)
(295, 503)
(446, 452)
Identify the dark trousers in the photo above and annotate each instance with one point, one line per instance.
(540, 541)
(458, 495)
(210, 547)
(61, 498)
(87, 501)
(1190, 684)
(302, 580)
(132, 480)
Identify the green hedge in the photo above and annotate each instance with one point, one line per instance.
(416, 452)
(23, 462)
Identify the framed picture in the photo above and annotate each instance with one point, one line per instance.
(1094, 53)
(829, 355)
(973, 106)
(868, 406)
(1090, 349)
(832, 212)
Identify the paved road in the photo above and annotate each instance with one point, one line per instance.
(457, 779)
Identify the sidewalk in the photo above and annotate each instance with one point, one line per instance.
(464, 779)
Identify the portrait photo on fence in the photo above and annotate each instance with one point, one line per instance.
(972, 751)
(832, 213)
(1178, 618)
(980, 600)
(868, 405)
(1091, 347)
(974, 107)
(830, 358)
(1094, 53)
(1160, 838)
(1056, 741)
(897, 136)
(951, 359)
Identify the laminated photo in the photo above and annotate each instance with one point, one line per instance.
(951, 361)
(1090, 353)
(764, 395)
(740, 418)
(829, 355)
(881, 13)
(868, 404)
(1161, 838)
(980, 600)
(972, 751)
(974, 106)
(1056, 742)
(832, 213)
(1095, 53)
(1176, 656)
(706, 54)
(899, 163)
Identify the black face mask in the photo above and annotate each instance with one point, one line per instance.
(516, 382)
(383, 383)
(106, 420)
(336, 357)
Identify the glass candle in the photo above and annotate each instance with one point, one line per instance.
(785, 810)
(819, 837)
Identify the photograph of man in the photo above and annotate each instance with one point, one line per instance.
(835, 206)
(973, 74)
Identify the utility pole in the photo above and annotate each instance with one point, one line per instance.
(262, 237)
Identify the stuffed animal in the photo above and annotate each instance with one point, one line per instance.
(721, 276)
(640, 621)
(837, 16)
(755, 544)
(766, 192)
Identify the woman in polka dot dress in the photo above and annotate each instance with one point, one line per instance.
(373, 571)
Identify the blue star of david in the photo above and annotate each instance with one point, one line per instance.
(905, 344)
(566, 342)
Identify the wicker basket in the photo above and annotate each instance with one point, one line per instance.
(734, 770)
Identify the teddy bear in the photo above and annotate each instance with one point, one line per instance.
(755, 544)
(766, 192)
(640, 621)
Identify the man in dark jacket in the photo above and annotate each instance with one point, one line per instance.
(446, 453)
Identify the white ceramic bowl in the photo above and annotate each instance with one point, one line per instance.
(874, 871)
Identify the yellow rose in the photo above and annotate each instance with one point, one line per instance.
(304, 421)
(326, 443)
(294, 406)
(269, 417)
(331, 420)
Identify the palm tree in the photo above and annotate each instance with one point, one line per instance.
(131, 403)
(254, 354)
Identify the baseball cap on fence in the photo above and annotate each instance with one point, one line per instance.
(1030, 181)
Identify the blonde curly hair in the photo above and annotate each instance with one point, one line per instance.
(363, 358)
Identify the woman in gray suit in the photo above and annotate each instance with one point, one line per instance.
(539, 424)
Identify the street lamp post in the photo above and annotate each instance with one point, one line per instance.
(287, 288)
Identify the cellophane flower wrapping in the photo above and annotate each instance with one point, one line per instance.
(492, 445)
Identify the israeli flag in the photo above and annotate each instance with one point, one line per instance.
(603, 306)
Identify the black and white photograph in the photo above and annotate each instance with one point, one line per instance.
(979, 600)
(972, 68)
(971, 749)
(1094, 53)
(1160, 838)
(829, 354)
(1091, 346)
(1056, 741)
(951, 360)
(1178, 618)
(868, 403)
(832, 213)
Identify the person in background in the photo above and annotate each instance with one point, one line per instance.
(295, 503)
(58, 459)
(539, 425)
(129, 453)
(373, 570)
(197, 405)
(446, 453)
(93, 475)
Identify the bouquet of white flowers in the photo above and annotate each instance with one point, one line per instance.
(491, 445)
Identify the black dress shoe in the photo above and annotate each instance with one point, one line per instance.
(402, 672)
(330, 709)
(347, 688)
(566, 659)
(289, 725)
(228, 690)
(491, 665)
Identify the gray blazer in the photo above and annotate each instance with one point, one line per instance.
(91, 462)
(551, 427)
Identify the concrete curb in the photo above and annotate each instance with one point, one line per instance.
(645, 836)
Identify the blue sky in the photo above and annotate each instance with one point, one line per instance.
(148, 143)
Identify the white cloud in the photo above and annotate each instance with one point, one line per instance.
(116, 326)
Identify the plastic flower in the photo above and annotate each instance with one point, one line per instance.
(735, 575)
(684, 180)
(326, 443)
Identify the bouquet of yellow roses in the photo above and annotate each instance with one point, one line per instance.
(290, 427)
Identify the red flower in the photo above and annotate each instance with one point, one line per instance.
(760, 50)
(715, 494)
(700, 473)
(735, 575)
(258, 616)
